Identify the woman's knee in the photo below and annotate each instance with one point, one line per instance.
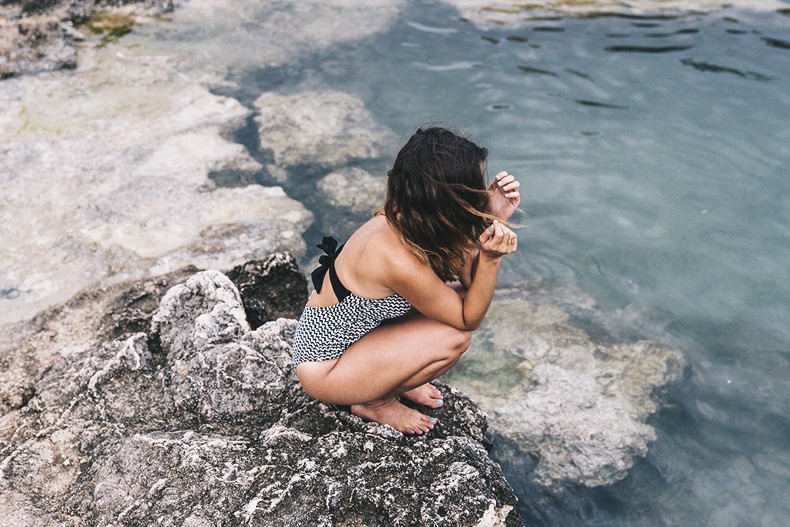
(458, 341)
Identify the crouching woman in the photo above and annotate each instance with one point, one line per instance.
(387, 315)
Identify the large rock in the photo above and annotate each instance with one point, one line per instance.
(324, 128)
(516, 13)
(354, 190)
(201, 421)
(40, 36)
(106, 177)
(578, 404)
(244, 35)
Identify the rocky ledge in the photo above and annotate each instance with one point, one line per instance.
(38, 35)
(130, 411)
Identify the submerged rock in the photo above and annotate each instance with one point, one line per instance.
(199, 420)
(324, 128)
(353, 189)
(516, 13)
(577, 404)
(244, 35)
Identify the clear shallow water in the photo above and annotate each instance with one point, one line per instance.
(654, 154)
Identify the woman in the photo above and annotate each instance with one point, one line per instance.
(386, 318)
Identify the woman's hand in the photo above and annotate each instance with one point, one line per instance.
(497, 241)
(504, 197)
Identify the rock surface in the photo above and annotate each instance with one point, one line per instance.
(353, 189)
(40, 36)
(106, 174)
(199, 420)
(276, 34)
(516, 13)
(577, 404)
(324, 128)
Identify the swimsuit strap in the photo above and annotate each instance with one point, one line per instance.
(327, 263)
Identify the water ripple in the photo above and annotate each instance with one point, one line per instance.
(646, 49)
(776, 43)
(714, 68)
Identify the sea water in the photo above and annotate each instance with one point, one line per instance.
(654, 156)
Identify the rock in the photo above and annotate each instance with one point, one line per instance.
(39, 36)
(201, 421)
(85, 321)
(34, 44)
(271, 288)
(354, 189)
(578, 405)
(515, 13)
(281, 33)
(106, 172)
(324, 128)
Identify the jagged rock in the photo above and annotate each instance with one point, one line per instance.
(89, 318)
(354, 189)
(576, 404)
(324, 128)
(210, 427)
(38, 36)
(34, 44)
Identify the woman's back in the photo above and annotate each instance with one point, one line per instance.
(366, 263)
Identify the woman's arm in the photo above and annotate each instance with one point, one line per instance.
(419, 285)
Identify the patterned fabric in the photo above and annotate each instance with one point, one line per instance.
(324, 333)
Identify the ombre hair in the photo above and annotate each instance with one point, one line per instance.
(437, 198)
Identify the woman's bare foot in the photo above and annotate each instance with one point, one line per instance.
(426, 395)
(392, 412)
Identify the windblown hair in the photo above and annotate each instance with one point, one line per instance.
(437, 198)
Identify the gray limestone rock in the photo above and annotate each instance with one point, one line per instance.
(34, 44)
(200, 420)
(577, 404)
(353, 189)
(324, 128)
(106, 172)
(37, 36)
(517, 13)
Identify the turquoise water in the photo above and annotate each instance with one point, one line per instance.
(654, 156)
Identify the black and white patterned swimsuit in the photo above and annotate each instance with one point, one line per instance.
(324, 333)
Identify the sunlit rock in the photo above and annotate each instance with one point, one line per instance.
(197, 420)
(516, 13)
(353, 189)
(325, 128)
(577, 404)
(41, 36)
(271, 33)
(105, 177)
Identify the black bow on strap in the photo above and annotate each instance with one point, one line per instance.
(329, 246)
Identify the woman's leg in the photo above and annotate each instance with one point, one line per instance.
(395, 358)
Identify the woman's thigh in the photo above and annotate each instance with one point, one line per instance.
(385, 359)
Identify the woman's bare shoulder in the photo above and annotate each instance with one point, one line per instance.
(376, 241)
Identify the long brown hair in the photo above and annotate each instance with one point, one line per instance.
(437, 198)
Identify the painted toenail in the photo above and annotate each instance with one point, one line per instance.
(433, 419)
(440, 402)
